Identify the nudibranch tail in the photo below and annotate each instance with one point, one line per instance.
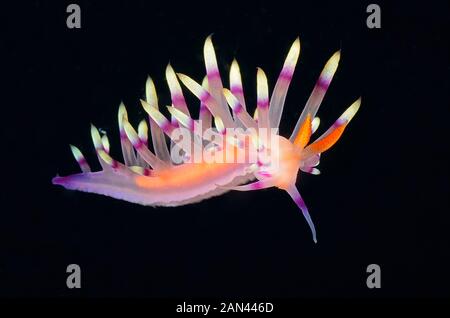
(229, 147)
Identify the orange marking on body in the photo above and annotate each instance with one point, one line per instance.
(327, 142)
(182, 176)
(304, 133)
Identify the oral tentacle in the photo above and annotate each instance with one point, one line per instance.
(295, 195)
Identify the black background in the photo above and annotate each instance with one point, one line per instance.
(382, 196)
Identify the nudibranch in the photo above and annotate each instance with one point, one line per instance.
(225, 149)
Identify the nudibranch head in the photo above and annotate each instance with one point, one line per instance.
(279, 165)
(193, 169)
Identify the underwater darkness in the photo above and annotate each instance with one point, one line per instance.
(382, 197)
